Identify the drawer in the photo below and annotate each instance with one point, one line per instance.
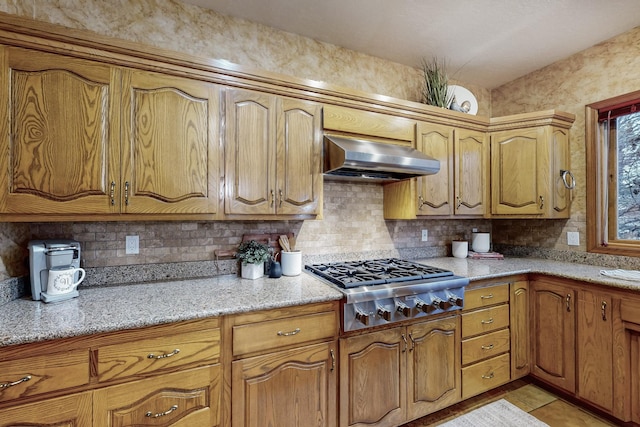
(187, 398)
(485, 320)
(41, 374)
(485, 375)
(148, 355)
(484, 297)
(279, 333)
(485, 346)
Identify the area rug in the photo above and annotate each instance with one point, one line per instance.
(497, 414)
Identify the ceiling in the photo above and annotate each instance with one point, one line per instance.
(482, 42)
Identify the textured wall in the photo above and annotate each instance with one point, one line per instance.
(353, 212)
(600, 72)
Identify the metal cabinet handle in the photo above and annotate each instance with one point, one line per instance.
(406, 344)
(273, 198)
(487, 347)
(413, 342)
(541, 202)
(569, 185)
(333, 360)
(280, 195)
(488, 377)
(163, 356)
(458, 202)
(14, 383)
(487, 322)
(126, 193)
(604, 310)
(161, 414)
(112, 193)
(568, 301)
(420, 203)
(288, 334)
(486, 296)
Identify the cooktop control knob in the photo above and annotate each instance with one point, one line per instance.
(403, 308)
(456, 301)
(362, 317)
(426, 308)
(384, 313)
(442, 305)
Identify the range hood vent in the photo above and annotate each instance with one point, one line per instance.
(360, 159)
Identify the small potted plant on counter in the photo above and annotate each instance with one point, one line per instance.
(253, 255)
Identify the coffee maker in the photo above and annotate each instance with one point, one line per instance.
(45, 255)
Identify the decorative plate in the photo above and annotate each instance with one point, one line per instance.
(463, 100)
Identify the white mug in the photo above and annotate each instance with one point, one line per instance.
(61, 280)
(460, 248)
(291, 263)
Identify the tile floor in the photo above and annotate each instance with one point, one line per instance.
(538, 402)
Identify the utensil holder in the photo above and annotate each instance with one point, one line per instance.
(291, 263)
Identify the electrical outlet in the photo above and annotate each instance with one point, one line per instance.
(132, 245)
(425, 235)
(573, 238)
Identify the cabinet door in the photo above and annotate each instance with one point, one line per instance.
(286, 389)
(299, 157)
(68, 411)
(433, 367)
(250, 152)
(373, 379)
(435, 192)
(170, 145)
(519, 322)
(560, 203)
(186, 398)
(471, 173)
(59, 133)
(553, 343)
(517, 159)
(595, 349)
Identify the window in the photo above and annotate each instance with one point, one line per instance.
(613, 175)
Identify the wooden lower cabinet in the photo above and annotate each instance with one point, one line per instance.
(553, 322)
(289, 388)
(185, 398)
(520, 328)
(73, 410)
(391, 376)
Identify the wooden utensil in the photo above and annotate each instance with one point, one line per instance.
(284, 243)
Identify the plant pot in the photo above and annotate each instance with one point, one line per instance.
(252, 271)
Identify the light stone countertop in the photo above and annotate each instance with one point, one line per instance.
(112, 308)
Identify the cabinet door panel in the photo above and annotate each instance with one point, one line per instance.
(436, 191)
(560, 160)
(595, 349)
(170, 144)
(471, 177)
(520, 329)
(515, 172)
(553, 315)
(250, 153)
(299, 157)
(285, 389)
(68, 411)
(62, 144)
(373, 379)
(433, 369)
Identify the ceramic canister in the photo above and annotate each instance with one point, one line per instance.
(480, 242)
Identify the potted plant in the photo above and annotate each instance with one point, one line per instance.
(253, 255)
(436, 84)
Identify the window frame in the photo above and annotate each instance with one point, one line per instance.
(598, 184)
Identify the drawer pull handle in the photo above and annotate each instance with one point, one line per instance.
(20, 381)
(487, 347)
(488, 377)
(487, 322)
(486, 296)
(333, 360)
(288, 334)
(163, 356)
(161, 414)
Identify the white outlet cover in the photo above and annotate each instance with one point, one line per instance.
(425, 235)
(132, 245)
(573, 238)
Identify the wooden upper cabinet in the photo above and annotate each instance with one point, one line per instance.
(471, 179)
(435, 192)
(60, 133)
(529, 158)
(87, 138)
(170, 145)
(272, 155)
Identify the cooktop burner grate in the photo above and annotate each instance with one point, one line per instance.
(375, 272)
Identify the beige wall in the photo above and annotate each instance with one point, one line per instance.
(600, 72)
(352, 212)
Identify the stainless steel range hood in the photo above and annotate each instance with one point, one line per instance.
(355, 159)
